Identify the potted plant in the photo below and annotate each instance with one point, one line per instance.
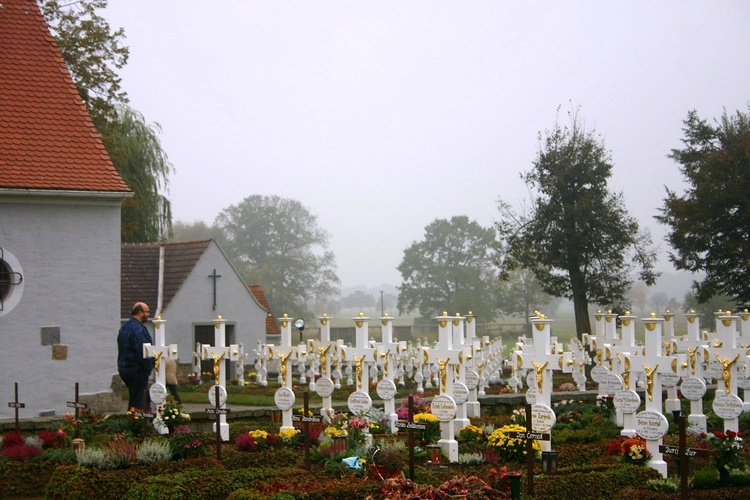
(388, 461)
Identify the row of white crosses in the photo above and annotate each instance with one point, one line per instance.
(160, 351)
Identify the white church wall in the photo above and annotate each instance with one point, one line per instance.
(63, 329)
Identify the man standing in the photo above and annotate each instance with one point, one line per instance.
(133, 368)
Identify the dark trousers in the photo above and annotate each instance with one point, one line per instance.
(173, 390)
(137, 383)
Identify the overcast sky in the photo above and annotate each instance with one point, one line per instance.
(381, 116)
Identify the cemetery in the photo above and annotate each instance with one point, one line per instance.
(460, 417)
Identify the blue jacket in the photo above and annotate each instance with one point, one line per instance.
(130, 340)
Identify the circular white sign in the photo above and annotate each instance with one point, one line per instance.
(359, 402)
(531, 394)
(257, 365)
(651, 424)
(598, 373)
(222, 395)
(513, 382)
(627, 401)
(669, 379)
(693, 388)
(158, 393)
(578, 377)
(443, 407)
(611, 383)
(284, 398)
(336, 374)
(531, 378)
(324, 387)
(418, 377)
(472, 379)
(460, 393)
(543, 419)
(727, 406)
(386, 390)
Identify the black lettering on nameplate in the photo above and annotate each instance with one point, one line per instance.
(300, 418)
(143, 414)
(689, 452)
(74, 404)
(410, 425)
(539, 436)
(217, 411)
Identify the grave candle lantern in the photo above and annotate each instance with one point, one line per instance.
(433, 454)
(549, 462)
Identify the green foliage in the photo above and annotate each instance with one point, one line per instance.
(135, 149)
(24, 479)
(449, 270)
(668, 485)
(592, 484)
(91, 51)
(708, 223)
(578, 239)
(274, 241)
(739, 477)
(154, 450)
(705, 478)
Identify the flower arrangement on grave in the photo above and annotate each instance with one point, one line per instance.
(634, 451)
(510, 449)
(14, 446)
(726, 449)
(290, 437)
(518, 417)
(420, 406)
(432, 433)
(358, 426)
(185, 444)
(471, 434)
(338, 425)
(172, 415)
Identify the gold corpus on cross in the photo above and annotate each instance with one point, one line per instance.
(539, 373)
(324, 358)
(443, 373)
(282, 364)
(358, 365)
(157, 361)
(726, 372)
(387, 361)
(650, 372)
(217, 365)
(691, 357)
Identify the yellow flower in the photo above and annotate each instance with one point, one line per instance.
(425, 417)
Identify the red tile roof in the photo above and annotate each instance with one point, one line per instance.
(272, 326)
(47, 139)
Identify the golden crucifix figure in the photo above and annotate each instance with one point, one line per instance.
(691, 357)
(358, 365)
(282, 365)
(387, 360)
(599, 355)
(726, 372)
(157, 361)
(324, 359)
(650, 380)
(539, 374)
(217, 365)
(443, 373)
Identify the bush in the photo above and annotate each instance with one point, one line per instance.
(154, 450)
(705, 478)
(668, 485)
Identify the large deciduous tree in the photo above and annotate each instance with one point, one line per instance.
(450, 270)
(577, 237)
(277, 243)
(93, 53)
(710, 223)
